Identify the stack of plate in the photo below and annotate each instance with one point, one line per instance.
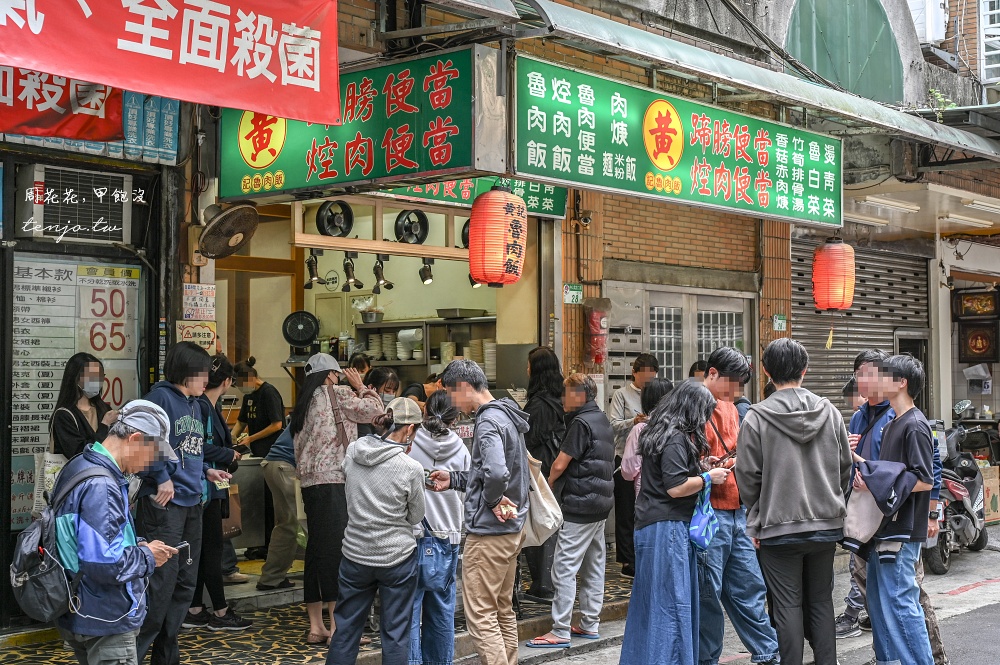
(375, 346)
(475, 351)
(403, 351)
(490, 360)
(447, 352)
(389, 345)
(418, 354)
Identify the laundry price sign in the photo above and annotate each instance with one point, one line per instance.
(581, 129)
(410, 117)
(62, 308)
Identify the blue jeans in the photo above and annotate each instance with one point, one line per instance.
(433, 642)
(730, 577)
(899, 632)
(358, 584)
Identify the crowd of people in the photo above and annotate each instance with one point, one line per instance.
(721, 507)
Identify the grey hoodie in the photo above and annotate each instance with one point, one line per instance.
(385, 498)
(794, 465)
(499, 469)
(444, 509)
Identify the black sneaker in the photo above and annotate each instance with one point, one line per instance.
(865, 622)
(283, 584)
(199, 620)
(628, 571)
(228, 621)
(847, 627)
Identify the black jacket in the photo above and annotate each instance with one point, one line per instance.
(545, 416)
(586, 489)
(72, 433)
(218, 448)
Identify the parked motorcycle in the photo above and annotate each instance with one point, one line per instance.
(963, 522)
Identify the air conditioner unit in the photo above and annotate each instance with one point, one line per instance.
(930, 18)
(73, 205)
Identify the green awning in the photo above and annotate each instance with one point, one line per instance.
(604, 36)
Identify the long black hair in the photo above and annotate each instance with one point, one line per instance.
(685, 410)
(546, 376)
(312, 382)
(654, 392)
(69, 389)
(440, 414)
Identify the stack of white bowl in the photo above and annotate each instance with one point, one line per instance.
(389, 345)
(418, 354)
(403, 351)
(375, 346)
(447, 352)
(475, 351)
(490, 360)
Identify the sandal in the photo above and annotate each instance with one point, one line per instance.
(579, 632)
(317, 638)
(548, 641)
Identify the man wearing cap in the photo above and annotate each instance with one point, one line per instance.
(96, 539)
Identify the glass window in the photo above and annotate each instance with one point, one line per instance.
(991, 40)
(717, 329)
(666, 341)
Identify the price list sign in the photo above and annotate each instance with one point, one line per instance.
(63, 308)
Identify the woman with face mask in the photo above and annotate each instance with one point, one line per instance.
(81, 416)
(385, 382)
(324, 422)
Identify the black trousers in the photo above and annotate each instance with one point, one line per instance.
(171, 586)
(397, 587)
(800, 579)
(540, 565)
(624, 518)
(210, 567)
(326, 519)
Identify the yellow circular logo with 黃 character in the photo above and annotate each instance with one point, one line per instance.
(663, 135)
(261, 138)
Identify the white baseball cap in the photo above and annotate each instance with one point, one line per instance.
(322, 362)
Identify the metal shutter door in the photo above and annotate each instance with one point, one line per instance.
(890, 293)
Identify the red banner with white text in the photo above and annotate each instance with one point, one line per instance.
(271, 56)
(39, 104)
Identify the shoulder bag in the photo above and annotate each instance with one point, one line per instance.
(544, 515)
(434, 561)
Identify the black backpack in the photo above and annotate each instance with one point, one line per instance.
(37, 576)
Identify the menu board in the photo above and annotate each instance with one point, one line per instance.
(62, 308)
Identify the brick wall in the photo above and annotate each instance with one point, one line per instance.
(965, 15)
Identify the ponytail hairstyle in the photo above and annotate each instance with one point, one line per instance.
(440, 414)
(384, 424)
(685, 410)
(245, 369)
(221, 370)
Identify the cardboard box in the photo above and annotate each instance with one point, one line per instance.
(992, 502)
(991, 473)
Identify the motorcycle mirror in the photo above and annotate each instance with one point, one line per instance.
(962, 406)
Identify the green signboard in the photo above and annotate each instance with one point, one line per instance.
(410, 117)
(581, 129)
(540, 200)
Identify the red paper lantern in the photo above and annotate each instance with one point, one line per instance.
(833, 275)
(498, 229)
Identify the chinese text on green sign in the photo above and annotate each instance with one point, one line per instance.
(582, 129)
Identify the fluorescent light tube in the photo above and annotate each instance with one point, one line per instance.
(891, 204)
(966, 221)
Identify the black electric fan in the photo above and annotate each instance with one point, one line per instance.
(227, 230)
(335, 219)
(300, 330)
(412, 227)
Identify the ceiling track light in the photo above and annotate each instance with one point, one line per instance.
(349, 278)
(378, 270)
(952, 218)
(312, 266)
(473, 282)
(890, 204)
(426, 274)
(985, 206)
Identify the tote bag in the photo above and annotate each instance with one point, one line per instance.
(704, 524)
(544, 515)
(47, 467)
(434, 561)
